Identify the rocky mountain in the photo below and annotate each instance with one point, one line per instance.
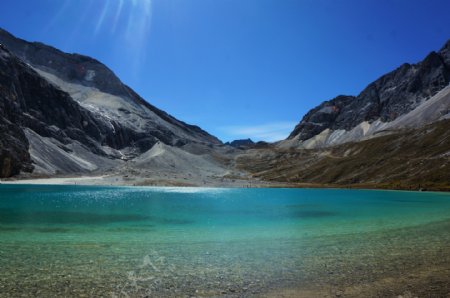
(394, 134)
(244, 143)
(84, 77)
(68, 113)
(352, 118)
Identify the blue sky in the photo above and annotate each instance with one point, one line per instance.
(238, 68)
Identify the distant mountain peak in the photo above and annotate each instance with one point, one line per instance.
(241, 143)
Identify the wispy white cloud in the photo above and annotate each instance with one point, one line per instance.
(102, 17)
(270, 132)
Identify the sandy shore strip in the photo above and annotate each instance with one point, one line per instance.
(119, 180)
(83, 180)
(167, 180)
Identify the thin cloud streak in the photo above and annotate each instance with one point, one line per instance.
(270, 132)
(102, 17)
(117, 15)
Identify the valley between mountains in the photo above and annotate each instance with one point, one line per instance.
(68, 117)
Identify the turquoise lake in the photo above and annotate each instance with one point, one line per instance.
(172, 242)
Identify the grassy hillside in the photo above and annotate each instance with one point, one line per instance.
(410, 159)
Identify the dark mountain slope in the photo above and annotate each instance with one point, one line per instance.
(28, 101)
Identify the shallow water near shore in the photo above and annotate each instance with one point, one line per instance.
(140, 241)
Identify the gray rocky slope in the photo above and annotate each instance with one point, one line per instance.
(67, 113)
(352, 118)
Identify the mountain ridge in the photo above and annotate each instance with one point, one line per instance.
(387, 98)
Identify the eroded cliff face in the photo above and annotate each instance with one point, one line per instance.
(34, 103)
(386, 99)
(14, 156)
(29, 102)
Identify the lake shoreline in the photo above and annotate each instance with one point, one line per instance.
(113, 180)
